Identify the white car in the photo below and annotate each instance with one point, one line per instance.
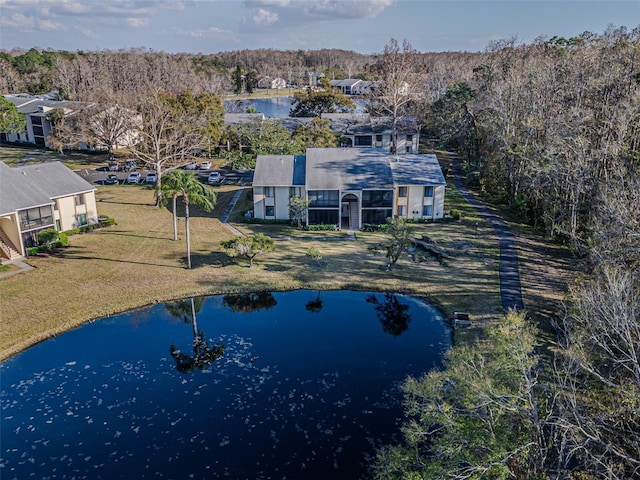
(214, 177)
(205, 166)
(191, 166)
(134, 177)
(151, 178)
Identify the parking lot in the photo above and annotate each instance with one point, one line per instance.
(227, 177)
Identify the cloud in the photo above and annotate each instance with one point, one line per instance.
(87, 32)
(17, 20)
(270, 12)
(137, 22)
(50, 26)
(199, 32)
(262, 16)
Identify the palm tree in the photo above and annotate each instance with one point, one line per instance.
(181, 183)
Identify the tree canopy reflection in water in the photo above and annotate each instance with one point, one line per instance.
(299, 384)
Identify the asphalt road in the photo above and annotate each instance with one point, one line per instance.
(510, 287)
(228, 177)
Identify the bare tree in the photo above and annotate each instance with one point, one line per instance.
(174, 129)
(399, 78)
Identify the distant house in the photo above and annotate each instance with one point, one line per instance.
(349, 187)
(359, 130)
(37, 108)
(272, 82)
(363, 130)
(354, 86)
(41, 196)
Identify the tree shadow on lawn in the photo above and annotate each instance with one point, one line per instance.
(213, 259)
(74, 253)
(125, 233)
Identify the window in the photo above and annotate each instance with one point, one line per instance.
(323, 198)
(35, 218)
(362, 141)
(428, 192)
(409, 138)
(293, 192)
(378, 138)
(82, 219)
(268, 192)
(376, 215)
(79, 200)
(269, 212)
(427, 211)
(402, 191)
(401, 212)
(323, 217)
(377, 198)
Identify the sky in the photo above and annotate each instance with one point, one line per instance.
(365, 26)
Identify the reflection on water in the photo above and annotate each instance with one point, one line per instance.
(203, 354)
(267, 386)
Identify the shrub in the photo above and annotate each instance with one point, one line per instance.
(374, 227)
(47, 236)
(455, 214)
(266, 221)
(314, 254)
(317, 228)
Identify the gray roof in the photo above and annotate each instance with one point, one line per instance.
(347, 82)
(347, 169)
(279, 171)
(40, 105)
(35, 185)
(413, 169)
(365, 124)
(241, 118)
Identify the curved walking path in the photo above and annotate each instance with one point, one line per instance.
(510, 289)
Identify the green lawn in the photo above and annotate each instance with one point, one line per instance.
(136, 263)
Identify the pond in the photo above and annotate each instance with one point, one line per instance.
(292, 385)
(273, 107)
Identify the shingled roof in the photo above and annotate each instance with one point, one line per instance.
(36, 185)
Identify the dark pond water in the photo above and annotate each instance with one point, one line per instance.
(296, 385)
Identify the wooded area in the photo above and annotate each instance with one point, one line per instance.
(549, 130)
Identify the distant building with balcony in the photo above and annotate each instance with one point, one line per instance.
(37, 197)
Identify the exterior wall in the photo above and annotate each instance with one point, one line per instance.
(258, 202)
(279, 201)
(67, 212)
(9, 226)
(438, 201)
(415, 201)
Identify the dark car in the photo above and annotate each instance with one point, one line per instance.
(112, 178)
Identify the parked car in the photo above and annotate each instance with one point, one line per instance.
(214, 177)
(112, 179)
(114, 166)
(191, 166)
(129, 165)
(151, 177)
(134, 177)
(205, 166)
